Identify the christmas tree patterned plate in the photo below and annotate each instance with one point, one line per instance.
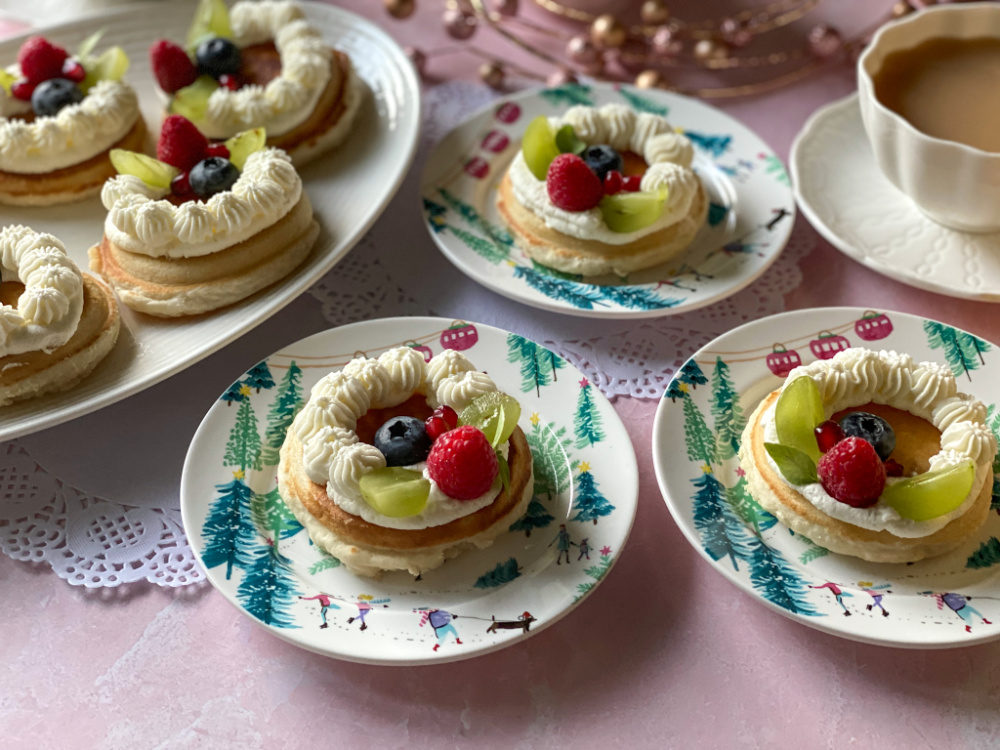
(948, 601)
(260, 558)
(348, 188)
(749, 221)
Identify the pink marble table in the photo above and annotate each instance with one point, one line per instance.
(664, 654)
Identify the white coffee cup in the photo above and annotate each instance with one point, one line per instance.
(951, 183)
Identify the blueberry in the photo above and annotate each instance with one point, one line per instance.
(872, 428)
(403, 441)
(217, 57)
(52, 95)
(602, 159)
(212, 175)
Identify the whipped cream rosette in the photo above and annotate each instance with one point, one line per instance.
(59, 118)
(260, 65)
(398, 464)
(933, 490)
(56, 324)
(602, 190)
(209, 227)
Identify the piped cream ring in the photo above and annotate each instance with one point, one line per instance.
(48, 310)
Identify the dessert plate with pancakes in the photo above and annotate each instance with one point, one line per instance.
(742, 483)
(277, 505)
(844, 194)
(718, 202)
(348, 188)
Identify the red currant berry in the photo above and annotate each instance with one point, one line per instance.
(632, 183)
(435, 427)
(180, 185)
(23, 89)
(229, 82)
(73, 70)
(218, 149)
(612, 182)
(828, 435)
(449, 415)
(893, 468)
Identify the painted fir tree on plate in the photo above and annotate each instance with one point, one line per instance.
(587, 422)
(228, 531)
(698, 438)
(286, 405)
(567, 95)
(714, 145)
(472, 217)
(243, 447)
(589, 503)
(549, 457)
(325, 562)
(597, 572)
(259, 377)
(729, 420)
(778, 581)
(268, 588)
(539, 366)
(986, 556)
(963, 351)
(504, 572)
(720, 529)
(643, 103)
(272, 516)
(582, 296)
(749, 510)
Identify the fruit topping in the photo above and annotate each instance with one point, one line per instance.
(567, 141)
(632, 183)
(602, 159)
(181, 143)
(212, 175)
(243, 144)
(210, 19)
(495, 414)
(52, 95)
(630, 212)
(403, 441)
(73, 70)
(230, 82)
(852, 472)
(23, 89)
(441, 421)
(539, 146)
(571, 185)
(192, 101)
(463, 463)
(110, 65)
(828, 434)
(152, 172)
(41, 60)
(218, 149)
(217, 57)
(395, 492)
(181, 186)
(171, 66)
(933, 494)
(612, 182)
(872, 428)
(893, 468)
(798, 411)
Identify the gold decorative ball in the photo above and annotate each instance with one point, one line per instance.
(608, 31)
(655, 13)
(708, 50)
(649, 79)
(400, 8)
(492, 74)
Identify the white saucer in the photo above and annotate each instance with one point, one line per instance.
(844, 195)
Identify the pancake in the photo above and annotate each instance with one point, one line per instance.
(368, 549)
(171, 287)
(917, 440)
(35, 373)
(592, 257)
(71, 183)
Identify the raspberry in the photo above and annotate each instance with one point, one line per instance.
(463, 463)
(180, 144)
(41, 60)
(852, 473)
(571, 184)
(171, 66)
(23, 89)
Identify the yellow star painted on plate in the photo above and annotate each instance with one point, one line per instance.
(706, 469)
(245, 390)
(534, 418)
(512, 264)
(584, 467)
(683, 387)
(239, 474)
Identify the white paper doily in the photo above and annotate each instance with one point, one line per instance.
(128, 527)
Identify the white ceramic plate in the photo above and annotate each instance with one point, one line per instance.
(586, 481)
(842, 192)
(949, 601)
(348, 189)
(749, 223)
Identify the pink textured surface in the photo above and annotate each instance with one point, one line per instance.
(664, 654)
